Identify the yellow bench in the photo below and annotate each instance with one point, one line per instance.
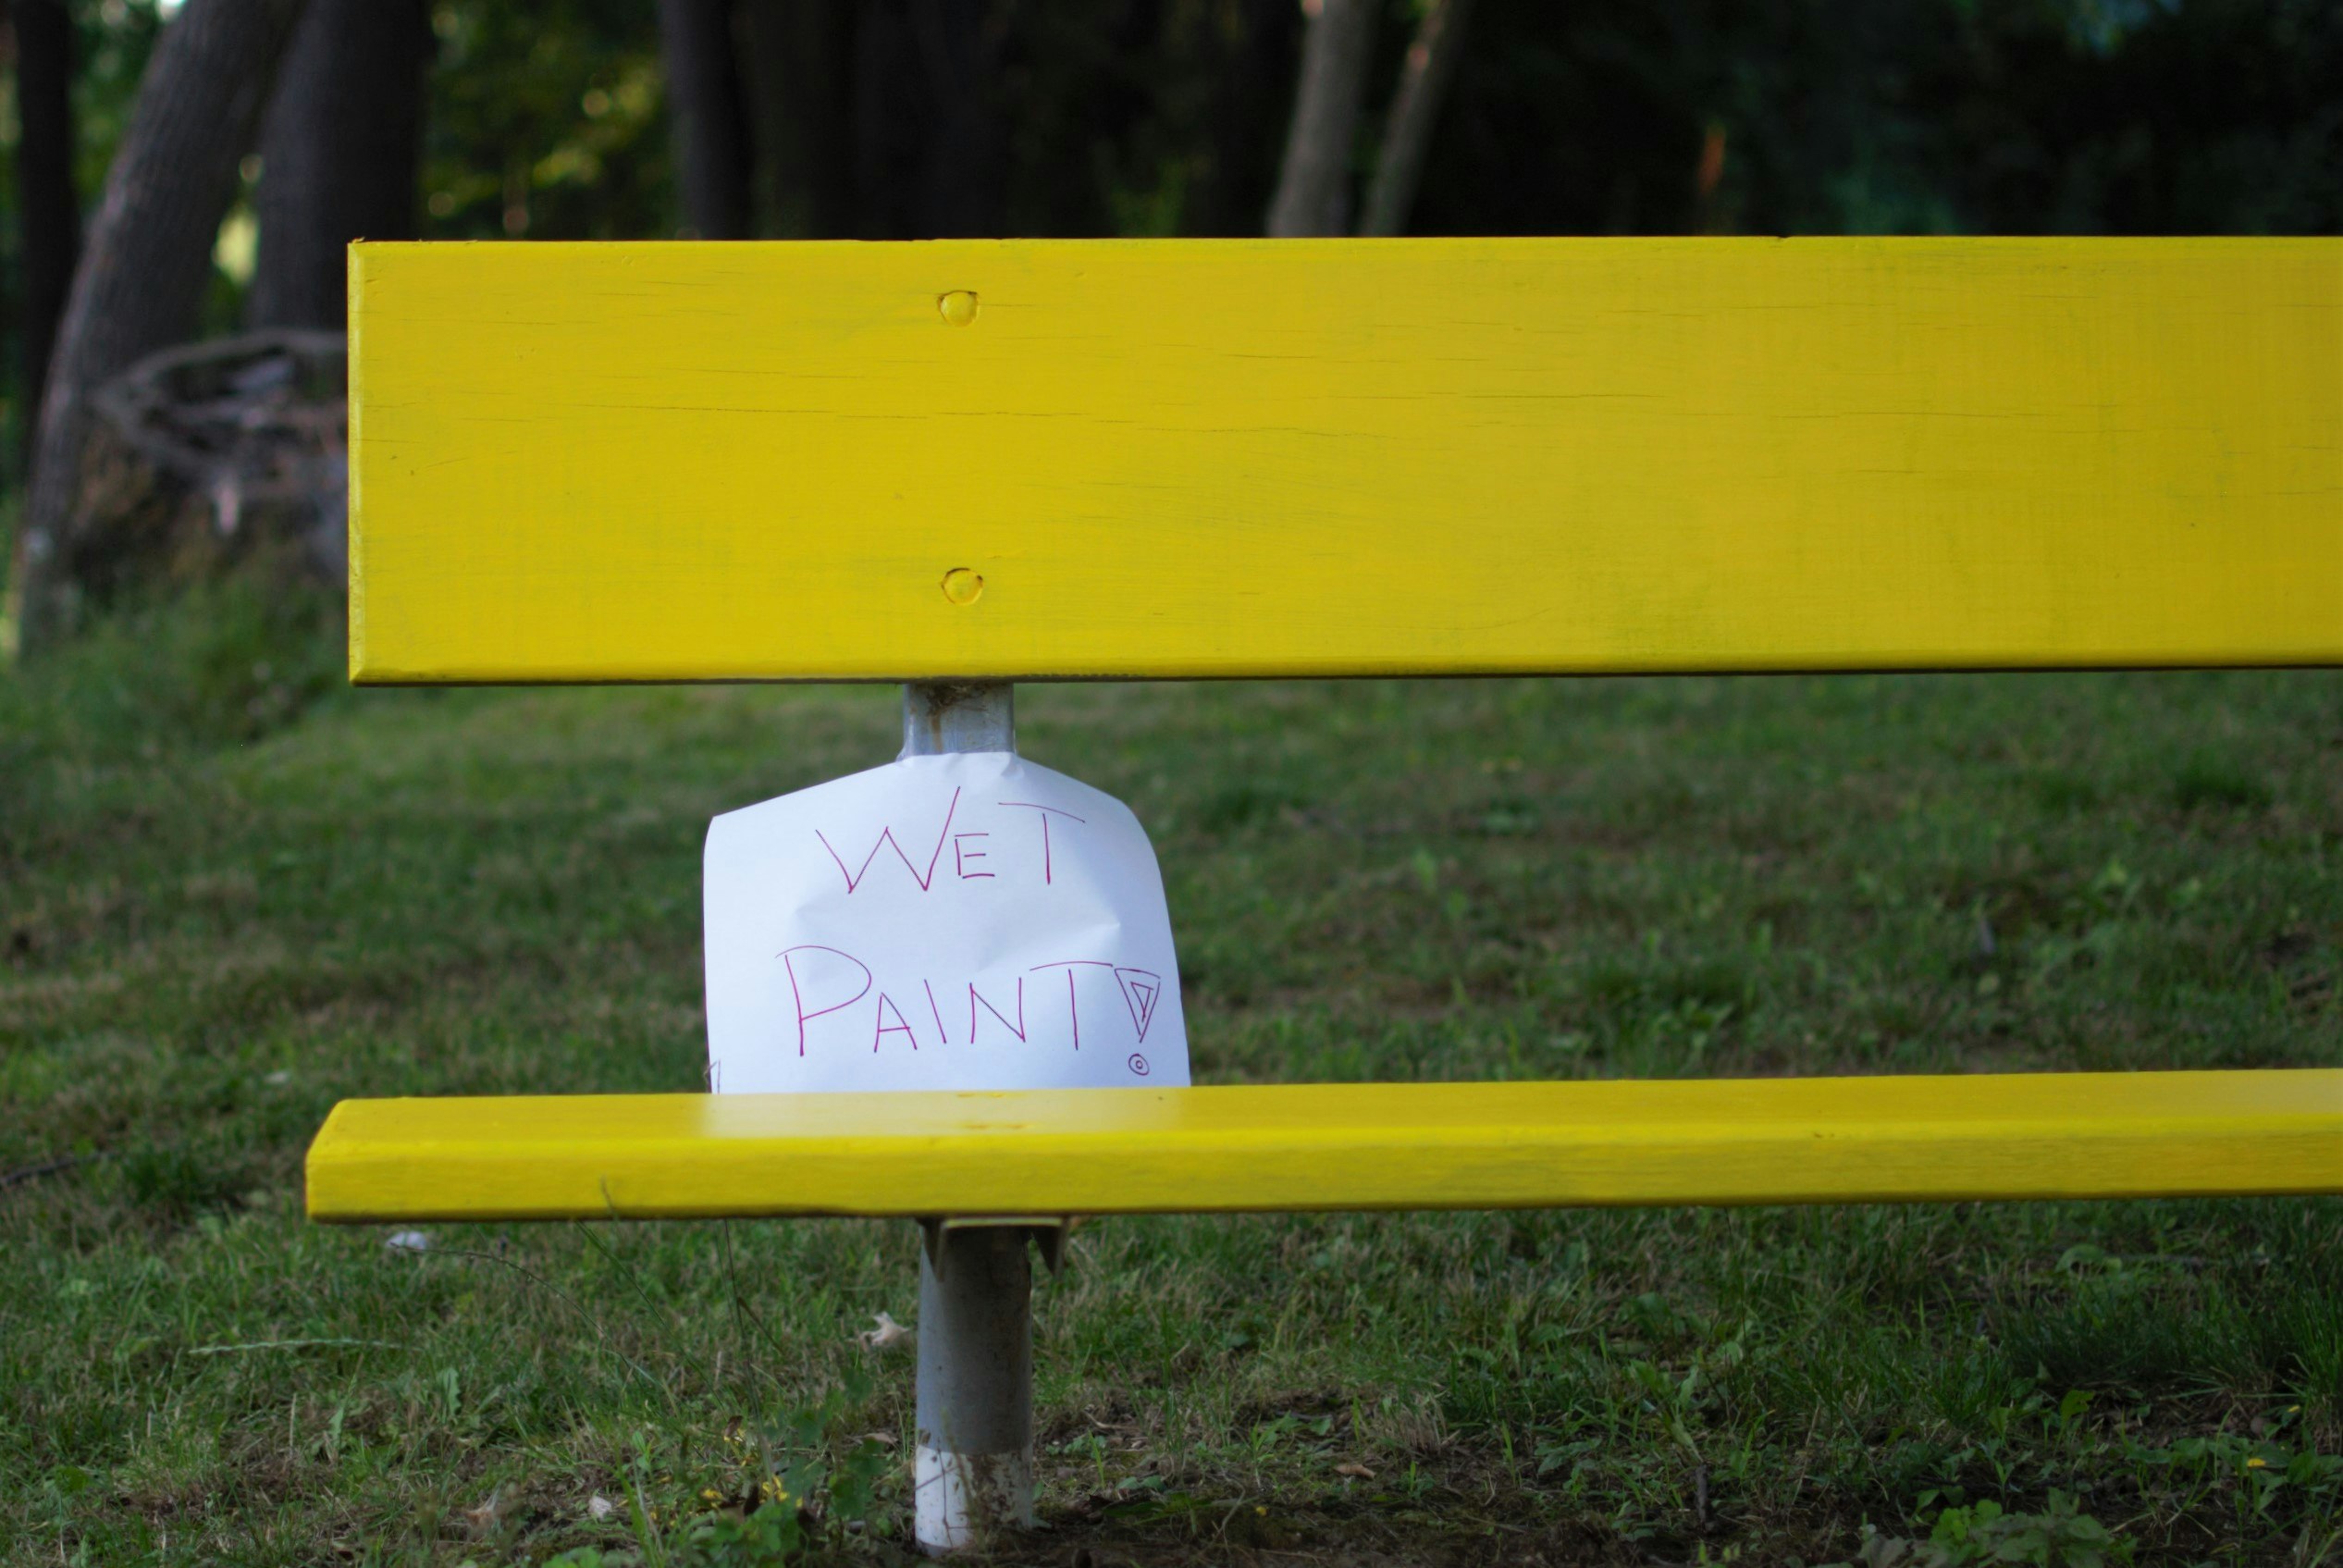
(961, 465)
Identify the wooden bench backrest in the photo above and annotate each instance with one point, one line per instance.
(1035, 459)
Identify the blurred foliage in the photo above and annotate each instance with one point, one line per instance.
(2120, 116)
(115, 37)
(215, 663)
(545, 122)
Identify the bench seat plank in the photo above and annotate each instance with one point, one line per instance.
(1334, 1146)
(1258, 458)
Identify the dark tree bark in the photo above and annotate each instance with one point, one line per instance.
(882, 118)
(929, 142)
(147, 258)
(707, 117)
(1314, 184)
(1251, 85)
(1423, 80)
(339, 154)
(49, 213)
(801, 71)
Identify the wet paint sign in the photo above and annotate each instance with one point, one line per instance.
(962, 922)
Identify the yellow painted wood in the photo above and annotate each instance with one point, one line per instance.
(1333, 1146)
(679, 461)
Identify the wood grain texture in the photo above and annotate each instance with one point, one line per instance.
(677, 461)
(1333, 1146)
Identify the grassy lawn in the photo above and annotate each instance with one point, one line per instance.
(231, 892)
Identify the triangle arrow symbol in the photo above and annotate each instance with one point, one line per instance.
(1142, 989)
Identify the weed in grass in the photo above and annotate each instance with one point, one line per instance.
(2059, 1536)
(2216, 781)
(795, 1489)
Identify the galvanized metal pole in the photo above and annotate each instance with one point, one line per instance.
(972, 1470)
(941, 716)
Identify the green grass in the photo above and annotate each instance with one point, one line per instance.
(231, 892)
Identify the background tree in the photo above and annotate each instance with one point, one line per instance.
(48, 209)
(881, 120)
(147, 260)
(1124, 116)
(1248, 61)
(1423, 79)
(1314, 186)
(930, 143)
(339, 152)
(1313, 183)
(709, 120)
(800, 65)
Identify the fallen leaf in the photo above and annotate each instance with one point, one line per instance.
(1359, 1472)
(885, 1440)
(483, 1518)
(887, 1336)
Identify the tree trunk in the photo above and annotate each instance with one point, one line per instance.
(801, 71)
(930, 148)
(883, 118)
(1252, 76)
(964, 191)
(707, 117)
(49, 213)
(339, 152)
(1314, 186)
(148, 256)
(215, 457)
(1423, 81)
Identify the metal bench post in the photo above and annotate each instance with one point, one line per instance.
(941, 716)
(973, 1467)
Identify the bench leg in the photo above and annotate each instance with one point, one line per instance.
(973, 1467)
(946, 716)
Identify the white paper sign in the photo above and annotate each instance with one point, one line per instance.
(963, 922)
